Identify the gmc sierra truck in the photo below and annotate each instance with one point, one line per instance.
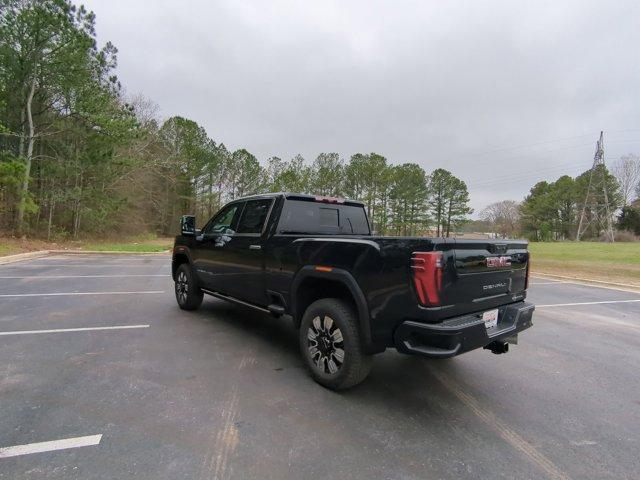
(349, 293)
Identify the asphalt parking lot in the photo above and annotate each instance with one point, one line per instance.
(222, 393)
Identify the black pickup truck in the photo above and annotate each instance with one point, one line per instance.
(352, 294)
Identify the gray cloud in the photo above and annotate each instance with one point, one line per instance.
(444, 84)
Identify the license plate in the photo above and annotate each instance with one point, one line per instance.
(490, 318)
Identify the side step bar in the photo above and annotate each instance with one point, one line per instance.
(235, 300)
(276, 309)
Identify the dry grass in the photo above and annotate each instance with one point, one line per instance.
(10, 246)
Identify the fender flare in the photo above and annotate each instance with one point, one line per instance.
(179, 250)
(345, 278)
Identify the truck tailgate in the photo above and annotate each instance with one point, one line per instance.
(486, 270)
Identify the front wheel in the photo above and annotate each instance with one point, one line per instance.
(188, 294)
(330, 344)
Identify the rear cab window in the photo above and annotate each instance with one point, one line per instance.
(308, 216)
(253, 216)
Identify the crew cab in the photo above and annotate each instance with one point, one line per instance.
(352, 294)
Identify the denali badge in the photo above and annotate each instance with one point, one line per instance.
(498, 261)
(495, 285)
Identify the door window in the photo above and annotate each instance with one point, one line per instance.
(224, 220)
(254, 216)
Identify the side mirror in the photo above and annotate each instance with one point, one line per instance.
(188, 225)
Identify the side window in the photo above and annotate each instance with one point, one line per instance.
(253, 216)
(223, 220)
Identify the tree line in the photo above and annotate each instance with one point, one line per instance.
(552, 210)
(77, 159)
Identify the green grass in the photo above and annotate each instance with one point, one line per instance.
(622, 253)
(615, 262)
(126, 247)
(139, 244)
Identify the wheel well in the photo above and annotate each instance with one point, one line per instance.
(312, 289)
(178, 260)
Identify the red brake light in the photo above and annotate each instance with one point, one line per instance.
(427, 276)
(329, 199)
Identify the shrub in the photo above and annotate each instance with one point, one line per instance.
(625, 236)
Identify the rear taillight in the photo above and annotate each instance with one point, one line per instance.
(526, 278)
(427, 276)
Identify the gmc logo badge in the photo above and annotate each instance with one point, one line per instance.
(498, 261)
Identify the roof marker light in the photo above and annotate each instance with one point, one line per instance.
(320, 198)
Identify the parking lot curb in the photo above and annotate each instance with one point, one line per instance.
(23, 256)
(43, 253)
(105, 252)
(625, 287)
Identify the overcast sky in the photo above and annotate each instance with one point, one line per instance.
(503, 94)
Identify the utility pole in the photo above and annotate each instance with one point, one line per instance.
(597, 198)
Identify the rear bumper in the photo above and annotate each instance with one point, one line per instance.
(461, 334)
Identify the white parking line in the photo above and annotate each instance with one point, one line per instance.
(65, 443)
(64, 330)
(86, 276)
(75, 293)
(588, 303)
(587, 282)
(618, 287)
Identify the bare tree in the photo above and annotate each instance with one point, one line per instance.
(627, 172)
(504, 217)
(147, 111)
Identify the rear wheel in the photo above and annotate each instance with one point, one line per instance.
(188, 294)
(330, 345)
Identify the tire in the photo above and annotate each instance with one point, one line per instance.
(188, 294)
(330, 345)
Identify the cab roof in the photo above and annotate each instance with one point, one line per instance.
(304, 197)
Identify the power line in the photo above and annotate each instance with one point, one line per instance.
(624, 141)
(521, 178)
(529, 145)
(569, 147)
(529, 155)
(525, 174)
(533, 174)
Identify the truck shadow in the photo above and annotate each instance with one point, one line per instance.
(277, 336)
(258, 327)
(408, 408)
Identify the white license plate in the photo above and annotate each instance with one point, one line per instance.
(490, 318)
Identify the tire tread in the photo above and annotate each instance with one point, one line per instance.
(359, 365)
(195, 295)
